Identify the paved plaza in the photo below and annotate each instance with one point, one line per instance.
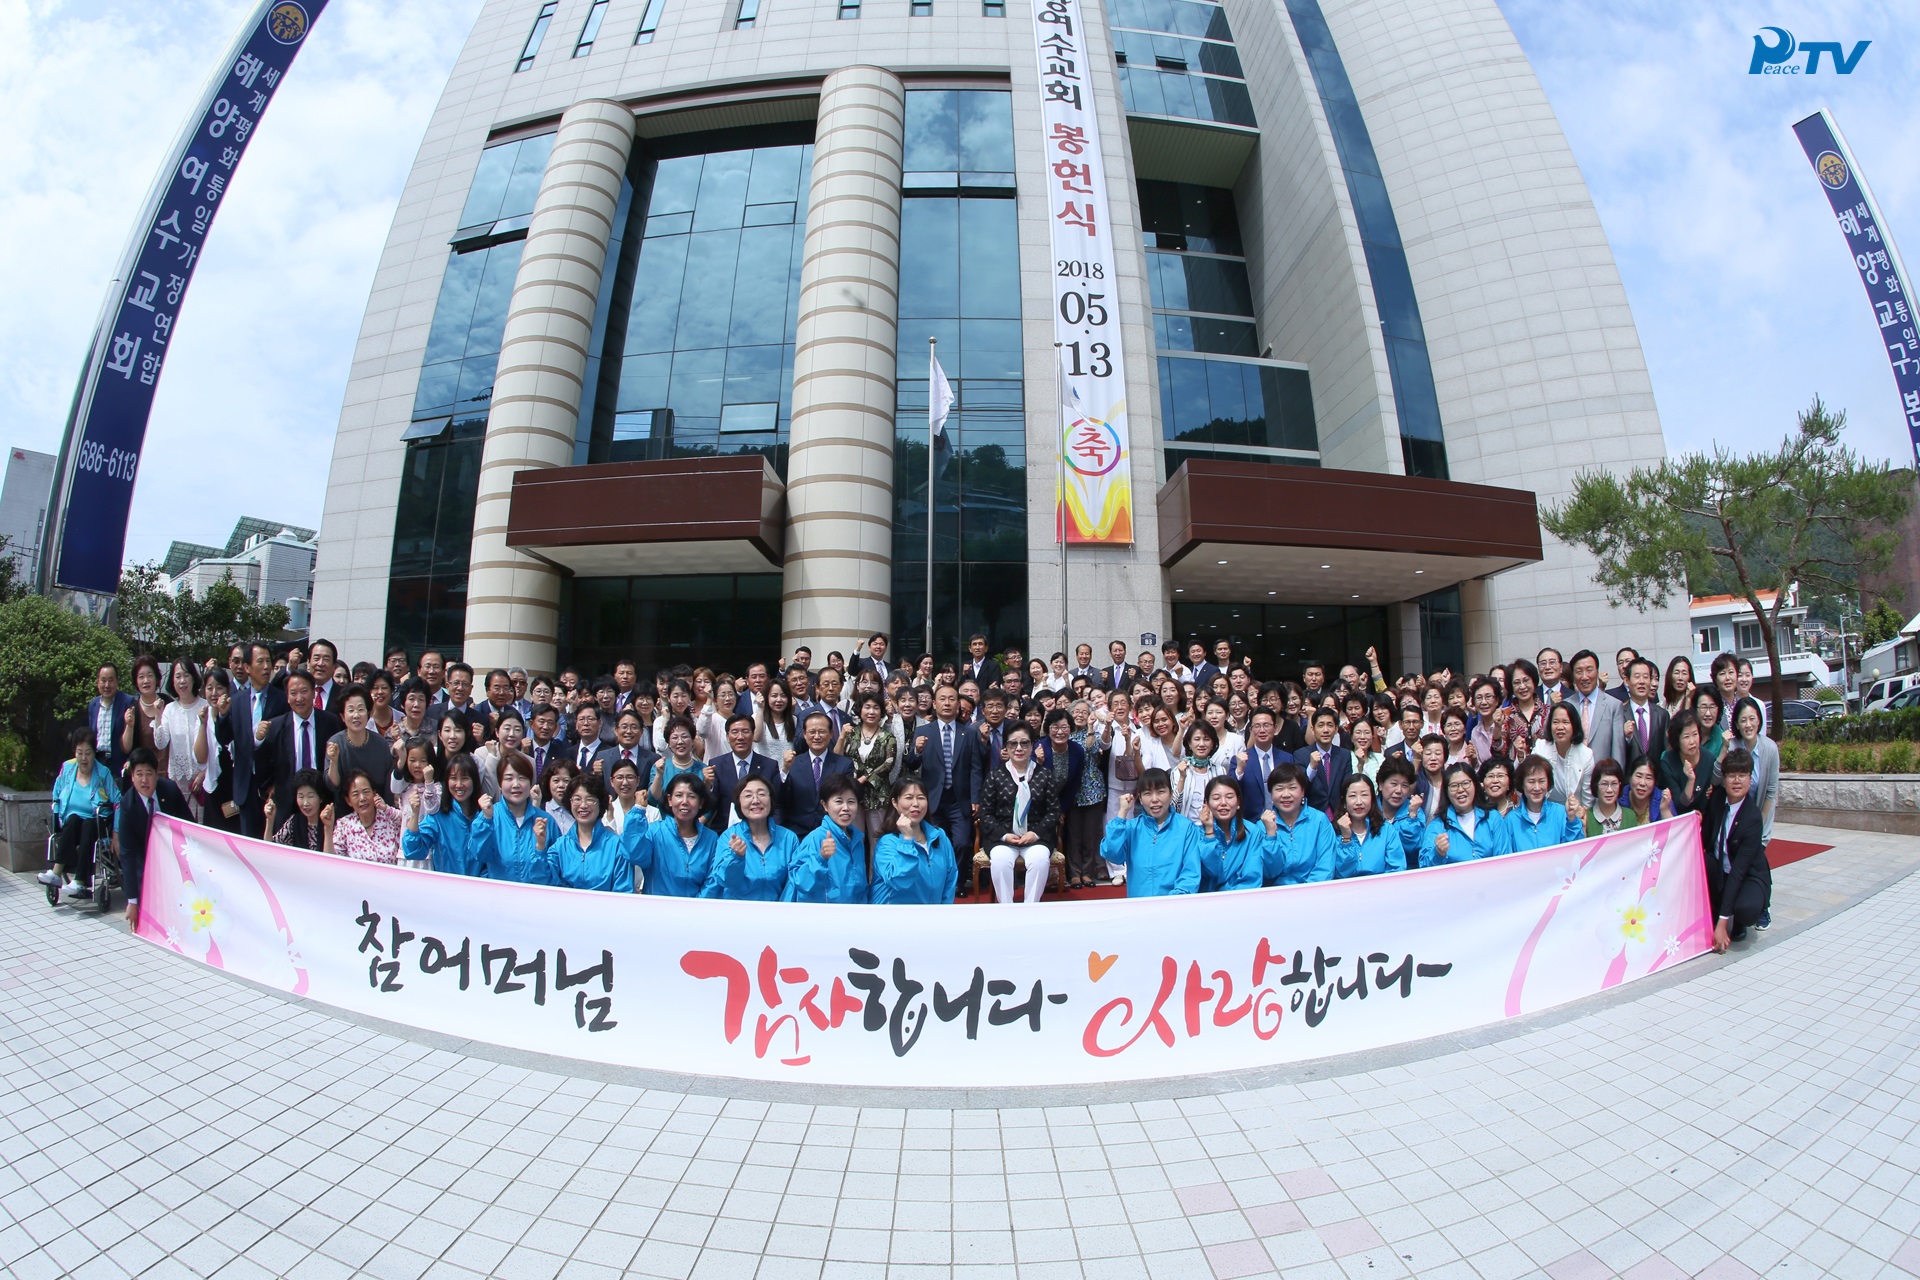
(1753, 1115)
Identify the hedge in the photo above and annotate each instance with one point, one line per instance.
(1875, 726)
(1827, 757)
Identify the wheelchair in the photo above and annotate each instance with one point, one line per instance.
(106, 864)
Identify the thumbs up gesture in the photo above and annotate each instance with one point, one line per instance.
(827, 847)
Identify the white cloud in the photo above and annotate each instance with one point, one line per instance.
(245, 414)
(1747, 302)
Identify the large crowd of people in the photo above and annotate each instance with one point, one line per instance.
(864, 780)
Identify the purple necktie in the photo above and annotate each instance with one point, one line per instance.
(816, 773)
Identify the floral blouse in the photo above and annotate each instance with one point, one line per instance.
(1523, 731)
(351, 839)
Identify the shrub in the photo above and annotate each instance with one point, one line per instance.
(1874, 726)
(1856, 760)
(1819, 758)
(15, 770)
(48, 660)
(1896, 757)
(1829, 693)
(1793, 756)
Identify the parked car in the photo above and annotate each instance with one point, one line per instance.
(1881, 692)
(1905, 698)
(1800, 711)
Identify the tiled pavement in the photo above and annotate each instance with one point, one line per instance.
(1754, 1118)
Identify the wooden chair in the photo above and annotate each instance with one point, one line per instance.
(983, 872)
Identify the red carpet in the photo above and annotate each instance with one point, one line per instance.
(1782, 852)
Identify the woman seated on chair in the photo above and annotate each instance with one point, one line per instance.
(1019, 808)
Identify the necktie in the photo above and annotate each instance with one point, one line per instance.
(1640, 719)
(626, 753)
(946, 749)
(816, 773)
(540, 762)
(586, 754)
(306, 744)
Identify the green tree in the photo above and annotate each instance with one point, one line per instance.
(1812, 510)
(1881, 624)
(153, 620)
(49, 658)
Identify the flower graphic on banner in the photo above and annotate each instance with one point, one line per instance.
(201, 921)
(1633, 923)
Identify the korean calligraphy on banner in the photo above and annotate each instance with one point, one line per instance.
(1874, 256)
(1096, 493)
(937, 995)
(100, 454)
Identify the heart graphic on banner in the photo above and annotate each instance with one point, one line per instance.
(1097, 965)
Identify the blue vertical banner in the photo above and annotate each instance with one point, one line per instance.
(1874, 256)
(100, 454)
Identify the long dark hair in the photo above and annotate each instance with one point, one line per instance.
(1373, 820)
(464, 763)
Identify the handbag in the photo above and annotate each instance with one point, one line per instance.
(1126, 768)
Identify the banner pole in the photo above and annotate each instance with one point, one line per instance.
(932, 355)
(1060, 371)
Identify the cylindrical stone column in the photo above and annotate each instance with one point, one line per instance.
(839, 558)
(513, 600)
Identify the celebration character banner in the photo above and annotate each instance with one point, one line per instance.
(100, 455)
(1095, 501)
(938, 995)
(1878, 262)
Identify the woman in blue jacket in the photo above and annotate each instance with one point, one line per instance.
(1232, 851)
(1369, 844)
(519, 827)
(915, 862)
(83, 798)
(591, 854)
(831, 863)
(456, 837)
(675, 855)
(1537, 822)
(1464, 831)
(752, 857)
(1160, 849)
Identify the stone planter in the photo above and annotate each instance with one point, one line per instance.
(25, 817)
(1888, 802)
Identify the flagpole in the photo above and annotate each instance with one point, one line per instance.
(1060, 371)
(932, 355)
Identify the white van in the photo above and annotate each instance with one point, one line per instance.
(1881, 692)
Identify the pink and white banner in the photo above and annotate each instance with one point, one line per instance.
(959, 996)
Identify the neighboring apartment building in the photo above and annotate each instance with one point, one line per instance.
(1727, 624)
(1369, 320)
(271, 563)
(23, 508)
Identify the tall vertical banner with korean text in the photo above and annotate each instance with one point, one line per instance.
(107, 428)
(1871, 243)
(1096, 491)
(938, 995)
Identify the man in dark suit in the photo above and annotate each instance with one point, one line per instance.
(151, 793)
(875, 658)
(979, 668)
(586, 745)
(1118, 673)
(1083, 668)
(1253, 765)
(292, 741)
(942, 752)
(256, 701)
(106, 717)
(1622, 662)
(1203, 670)
(1328, 764)
(802, 772)
(1739, 882)
(630, 742)
(323, 661)
(1643, 720)
(740, 763)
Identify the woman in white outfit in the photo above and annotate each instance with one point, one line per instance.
(183, 733)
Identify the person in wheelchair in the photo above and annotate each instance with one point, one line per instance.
(83, 798)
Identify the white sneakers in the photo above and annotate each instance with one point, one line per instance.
(49, 877)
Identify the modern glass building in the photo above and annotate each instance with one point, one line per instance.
(644, 370)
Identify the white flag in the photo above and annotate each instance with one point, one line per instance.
(939, 401)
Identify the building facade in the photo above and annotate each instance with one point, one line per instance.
(644, 370)
(23, 509)
(270, 563)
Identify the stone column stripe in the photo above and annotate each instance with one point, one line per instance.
(512, 597)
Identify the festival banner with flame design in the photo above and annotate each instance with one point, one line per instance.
(963, 995)
(1095, 496)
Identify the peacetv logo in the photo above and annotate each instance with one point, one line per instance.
(1771, 56)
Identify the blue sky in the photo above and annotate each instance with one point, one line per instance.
(1740, 283)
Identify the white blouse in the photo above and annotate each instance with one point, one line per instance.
(179, 723)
